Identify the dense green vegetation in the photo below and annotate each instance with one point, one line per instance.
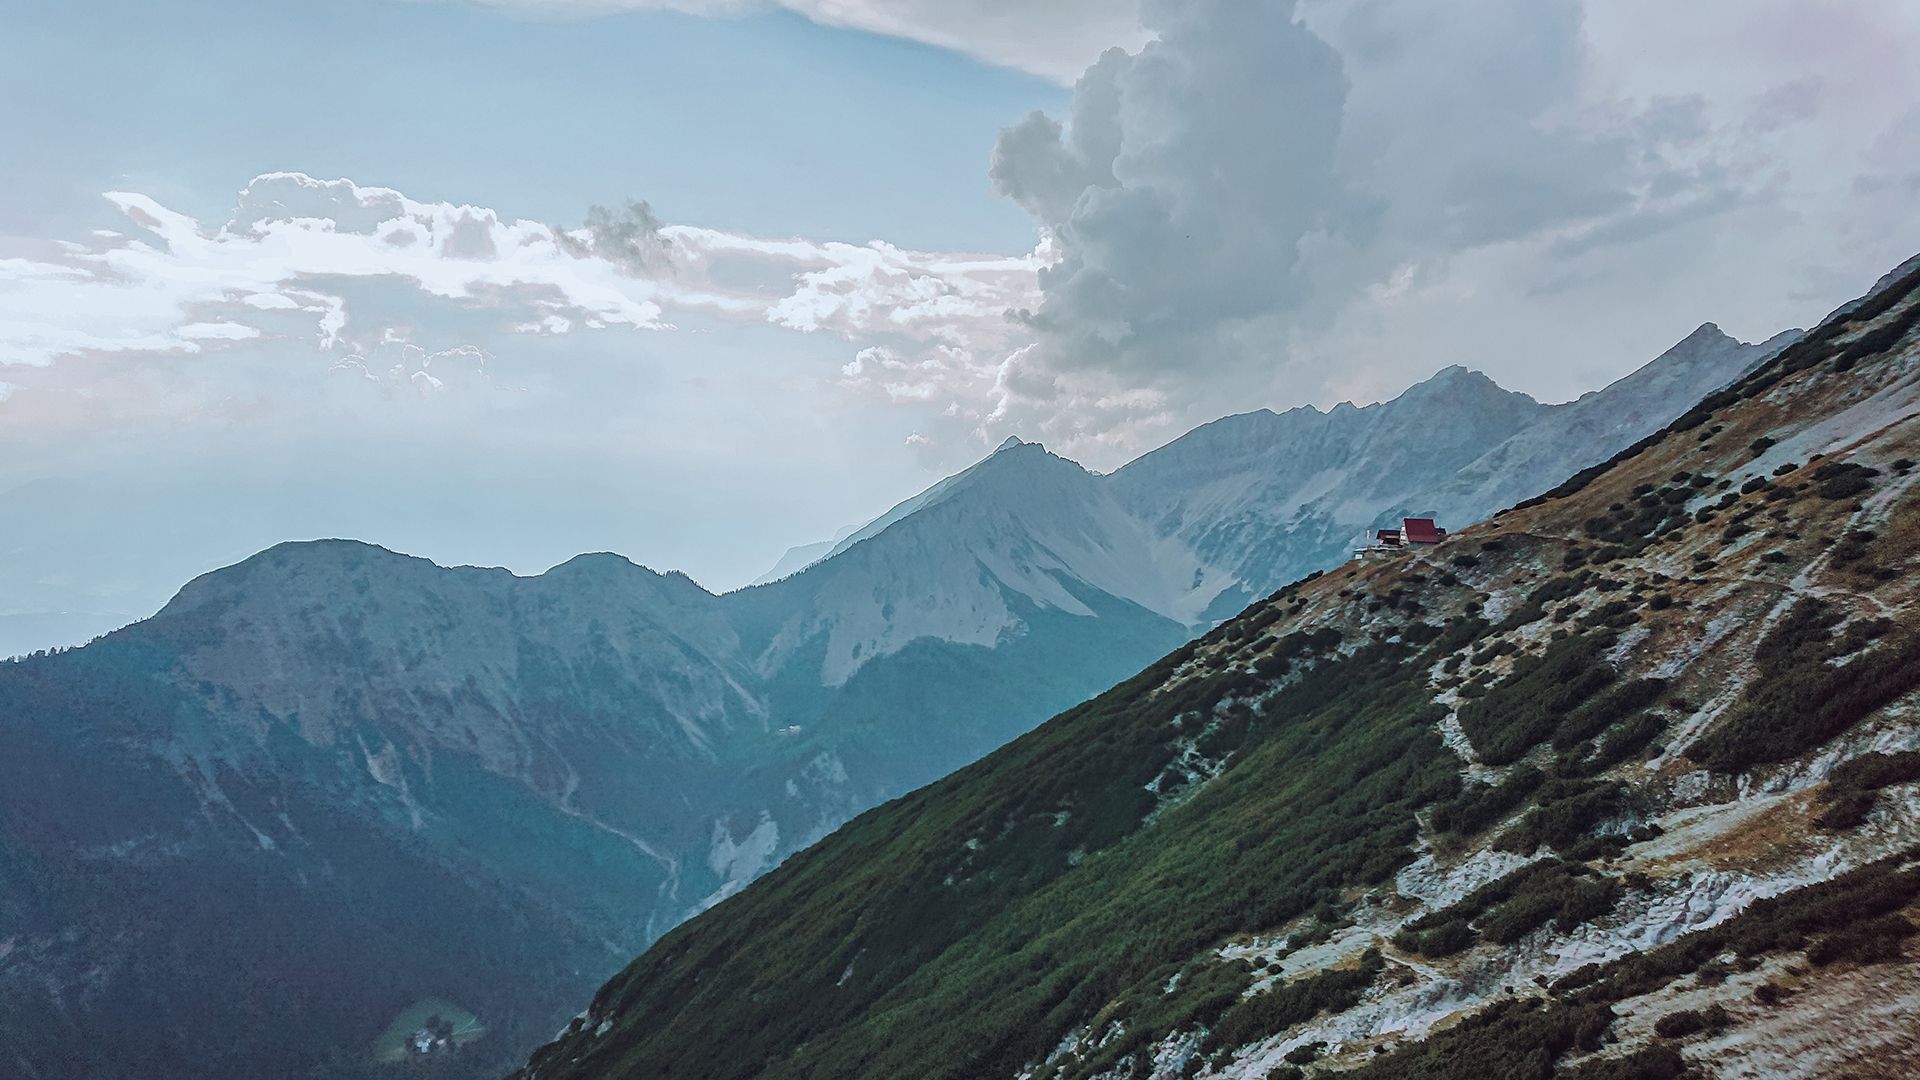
(1506, 910)
(1684, 1022)
(1855, 785)
(1631, 737)
(1524, 709)
(1800, 697)
(1791, 921)
(963, 930)
(1254, 1018)
(1843, 480)
(1657, 1062)
(1512, 1039)
(1564, 820)
(1628, 529)
(1478, 806)
(1592, 717)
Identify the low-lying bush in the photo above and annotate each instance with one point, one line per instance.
(1799, 699)
(1685, 1022)
(1523, 709)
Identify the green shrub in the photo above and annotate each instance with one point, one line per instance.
(1843, 480)
(1877, 340)
(1847, 809)
(1480, 805)
(1799, 700)
(1769, 925)
(1510, 1040)
(1601, 713)
(1280, 1007)
(1568, 812)
(1656, 1062)
(1871, 941)
(1305, 1053)
(1512, 907)
(1446, 939)
(1523, 709)
(1685, 1022)
(1873, 771)
(1625, 741)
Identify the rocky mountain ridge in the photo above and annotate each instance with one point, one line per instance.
(1624, 783)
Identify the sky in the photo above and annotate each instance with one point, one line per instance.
(699, 280)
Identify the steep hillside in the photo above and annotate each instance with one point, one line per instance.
(524, 781)
(1624, 783)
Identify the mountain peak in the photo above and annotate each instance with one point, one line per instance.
(1706, 335)
(1455, 383)
(1457, 375)
(1010, 442)
(590, 560)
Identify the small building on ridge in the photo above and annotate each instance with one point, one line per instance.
(1423, 531)
(1412, 531)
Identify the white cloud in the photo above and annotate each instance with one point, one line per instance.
(400, 370)
(1056, 39)
(1277, 201)
(348, 267)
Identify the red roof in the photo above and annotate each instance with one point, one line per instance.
(1423, 531)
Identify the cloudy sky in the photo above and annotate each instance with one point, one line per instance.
(697, 280)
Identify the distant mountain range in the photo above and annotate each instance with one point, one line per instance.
(400, 781)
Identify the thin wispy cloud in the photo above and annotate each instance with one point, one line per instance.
(1055, 40)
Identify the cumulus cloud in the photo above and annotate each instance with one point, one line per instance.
(1255, 206)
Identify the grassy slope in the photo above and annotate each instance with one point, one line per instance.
(965, 929)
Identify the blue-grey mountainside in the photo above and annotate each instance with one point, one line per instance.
(331, 782)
